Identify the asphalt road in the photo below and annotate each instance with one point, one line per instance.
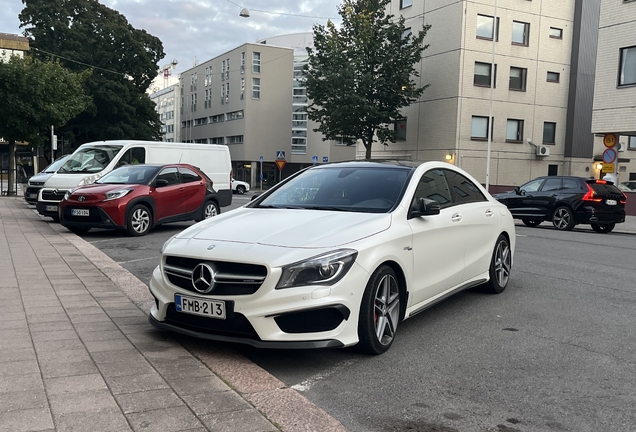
(554, 352)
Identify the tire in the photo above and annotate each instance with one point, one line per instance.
(240, 189)
(210, 209)
(139, 221)
(603, 229)
(563, 219)
(79, 230)
(379, 312)
(500, 266)
(531, 223)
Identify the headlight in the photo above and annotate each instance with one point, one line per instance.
(90, 179)
(116, 194)
(325, 269)
(166, 243)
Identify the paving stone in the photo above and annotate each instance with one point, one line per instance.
(50, 327)
(23, 400)
(164, 420)
(82, 401)
(56, 369)
(136, 383)
(58, 345)
(216, 402)
(108, 345)
(102, 335)
(109, 420)
(20, 367)
(31, 382)
(73, 384)
(148, 400)
(231, 421)
(36, 419)
(195, 385)
(54, 336)
(10, 355)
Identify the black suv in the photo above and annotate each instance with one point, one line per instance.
(567, 201)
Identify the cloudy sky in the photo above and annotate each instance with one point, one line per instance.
(204, 28)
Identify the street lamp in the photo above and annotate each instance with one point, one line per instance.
(492, 89)
(244, 13)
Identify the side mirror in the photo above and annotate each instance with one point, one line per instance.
(517, 190)
(161, 182)
(423, 207)
(255, 196)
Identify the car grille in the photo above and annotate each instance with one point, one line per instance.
(93, 216)
(231, 278)
(36, 183)
(235, 325)
(51, 195)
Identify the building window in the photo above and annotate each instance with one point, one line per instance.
(482, 74)
(627, 68)
(256, 62)
(405, 3)
(346, 141)
(235, 139)
(549, 132)
(518, 78)
(235, 115)
(631, 143)
(520, 33)
(217, 140)
(553, 170)
(400, 130)
(217, 118)
(486, 28)
(227, 71)
(556, 33)
(554, 77)
(256, 88)
(479, 128)
(201, 121)
(514, 130)
(223, 71)
(299, 145)
(406, 33)
(243, 62)
(242, 88)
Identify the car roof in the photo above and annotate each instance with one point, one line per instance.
(374, 163)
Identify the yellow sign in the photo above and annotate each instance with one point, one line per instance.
(607, 168)
(609, 140)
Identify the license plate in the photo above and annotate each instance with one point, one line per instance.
(201, 307)
(51, 208)
(79, 212)
(32, 195)
(610, 202)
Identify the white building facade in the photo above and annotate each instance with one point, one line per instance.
(166, 101)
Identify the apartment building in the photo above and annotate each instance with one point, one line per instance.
(544, 56)
(166, 101)
(615, 89)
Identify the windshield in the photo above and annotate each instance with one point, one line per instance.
(90, 159)
(55, 165)
(365, 189)
(130, 174)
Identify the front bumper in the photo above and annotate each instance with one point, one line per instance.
(49, 201)
(302, 317)
(97, 218)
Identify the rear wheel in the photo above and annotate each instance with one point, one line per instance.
(500, 266)
(604, 229)
(563, 219)
(139, 221)
(210, 210)
(240, 189)
(379, 312)
(530, 223)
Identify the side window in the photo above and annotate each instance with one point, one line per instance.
(551, 184)
(433, 186)
(171, 175)
(188, 176)
(133, 156)
(463, 190)
(532, 186)
(570, 184)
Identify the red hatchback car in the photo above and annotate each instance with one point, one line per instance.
(139, 197)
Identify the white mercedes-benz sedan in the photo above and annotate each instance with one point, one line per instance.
(334, 256)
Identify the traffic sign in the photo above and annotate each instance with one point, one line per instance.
(261, 159)
(325, 159)
(280, 163)
(609, 155)
(314, 159)
(610, 140)
(607, 168)
(280, 154)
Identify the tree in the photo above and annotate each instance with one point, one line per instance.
(35, 95)
(85, 33)
(359, 76)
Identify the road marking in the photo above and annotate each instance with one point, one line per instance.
(308, 383)
(140, 259)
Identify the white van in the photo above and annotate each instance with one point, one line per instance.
(93, 160)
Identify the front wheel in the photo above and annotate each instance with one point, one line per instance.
(379, 312)
(530, 223)
(500, 266)
(139, 221)
(240, 189)
(563, 219)
(603, 229)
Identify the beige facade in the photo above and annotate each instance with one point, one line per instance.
(615, 87)
(442, 122)
(167, 102)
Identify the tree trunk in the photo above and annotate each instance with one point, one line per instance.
(11, 177)
(367, 147)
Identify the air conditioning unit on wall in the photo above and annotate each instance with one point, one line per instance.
(621, 147)
(543, 150)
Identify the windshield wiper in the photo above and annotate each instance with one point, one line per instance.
(325, 208)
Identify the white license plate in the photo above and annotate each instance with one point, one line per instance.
(79, 212)
(201, 307)
(32, 195)
(51, 208)
(610, 202)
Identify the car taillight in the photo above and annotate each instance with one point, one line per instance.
(624, 200)
(589, 196)
(601, 182)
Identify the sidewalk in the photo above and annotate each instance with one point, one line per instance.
(77, 352)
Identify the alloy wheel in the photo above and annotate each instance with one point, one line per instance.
(502, 263)
(210, 210)
(386, 309)
(140, 220)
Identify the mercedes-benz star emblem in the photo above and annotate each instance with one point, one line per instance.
(203, 278)
(81, 198)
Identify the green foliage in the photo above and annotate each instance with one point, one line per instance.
(36, 95)
(359, 76)
(83, 34)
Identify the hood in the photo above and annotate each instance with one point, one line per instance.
(294, 228)
(39, 178)
(100, 189)
(65, 181)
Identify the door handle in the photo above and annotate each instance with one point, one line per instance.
(489, 213)
(456, 217)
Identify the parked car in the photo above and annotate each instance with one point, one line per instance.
(567, 202)
(630, 185)
(36, 182)
(139, 197)
(240, 187)
(374, 243)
